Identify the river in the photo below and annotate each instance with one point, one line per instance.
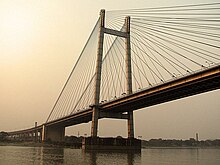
(18, 155)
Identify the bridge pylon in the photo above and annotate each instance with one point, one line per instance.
(125, 34)
(95, 114)
(129, 75)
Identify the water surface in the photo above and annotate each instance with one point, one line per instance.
(17, 155)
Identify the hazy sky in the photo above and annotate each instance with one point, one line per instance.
(40, 40)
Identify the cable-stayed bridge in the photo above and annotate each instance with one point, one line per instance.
(134, 59)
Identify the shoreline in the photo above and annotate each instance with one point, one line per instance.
(184, 147)
(24, 144)
(33, 144)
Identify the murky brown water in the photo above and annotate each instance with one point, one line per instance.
(16, 155)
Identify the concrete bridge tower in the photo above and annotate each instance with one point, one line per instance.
(126, 35)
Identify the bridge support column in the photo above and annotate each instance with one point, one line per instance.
(43, 134)
(36, 133)
(55, 133)
(129, 75)
(95, 115)
(52, 133)
(130, 125)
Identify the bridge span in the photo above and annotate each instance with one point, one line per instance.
(200, 82)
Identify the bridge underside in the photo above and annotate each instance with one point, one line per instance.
(187, 86)
(166, 92)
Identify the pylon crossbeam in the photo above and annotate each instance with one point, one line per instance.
(113, 115)
(115, 32)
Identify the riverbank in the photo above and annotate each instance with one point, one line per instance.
(63, 145)
(175, 143)
(25, 144)
(183, 147)
(34, 144)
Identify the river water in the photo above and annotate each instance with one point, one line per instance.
(16, 155)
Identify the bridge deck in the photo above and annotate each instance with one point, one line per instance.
(204, 81)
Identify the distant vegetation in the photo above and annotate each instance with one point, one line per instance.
(3, 136)
(76, 142)
(180, 143)
(159, 142)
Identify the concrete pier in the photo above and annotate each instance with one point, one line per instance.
(90, 143)
(55, 134)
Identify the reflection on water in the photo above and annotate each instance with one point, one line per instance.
(182, 156)
(13, 155)
(51, 155)
(10, 155)
(112, 157)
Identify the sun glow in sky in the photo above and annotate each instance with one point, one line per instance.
(16, 27)
(16, 30)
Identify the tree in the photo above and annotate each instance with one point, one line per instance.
(3, 136)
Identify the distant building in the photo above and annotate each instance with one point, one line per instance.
(197, 137)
